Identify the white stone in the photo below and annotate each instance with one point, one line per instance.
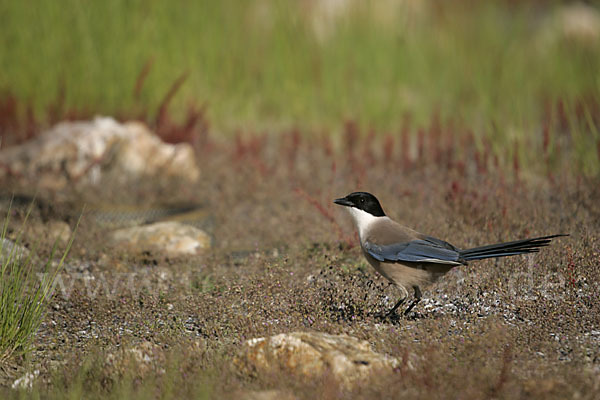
(170, 237)
(311, 355)
(74, 154)
(26, 381)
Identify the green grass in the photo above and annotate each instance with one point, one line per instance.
(262, 63)
(23, 296)
(490, 67)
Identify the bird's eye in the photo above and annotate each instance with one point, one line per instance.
(362, 200)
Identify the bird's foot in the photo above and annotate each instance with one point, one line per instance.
(412, 305)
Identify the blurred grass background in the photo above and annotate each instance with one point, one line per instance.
(495, 67)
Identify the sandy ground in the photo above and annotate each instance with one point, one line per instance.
(285, 259)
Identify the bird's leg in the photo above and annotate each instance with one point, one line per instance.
(393, 310)
(418, 296)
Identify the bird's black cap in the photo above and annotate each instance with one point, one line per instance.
(363, 201)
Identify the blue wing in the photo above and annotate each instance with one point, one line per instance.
(425, 250)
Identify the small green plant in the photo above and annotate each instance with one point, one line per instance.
(23, 296)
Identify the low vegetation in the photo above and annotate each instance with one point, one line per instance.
(475, 123)
(24, 292)
(285, 259)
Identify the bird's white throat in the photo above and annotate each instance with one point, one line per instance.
(362, 220)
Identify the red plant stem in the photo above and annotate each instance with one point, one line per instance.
(162, 110)
(141, 79)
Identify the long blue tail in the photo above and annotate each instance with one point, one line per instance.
(524, 246)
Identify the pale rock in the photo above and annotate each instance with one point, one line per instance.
(144, 358)
(580, 21)
(98, 152)
(170, 237)
(54, 230)
(26, 381)
(325, 17)
(272, 394)
(312, 355)
(576, 22)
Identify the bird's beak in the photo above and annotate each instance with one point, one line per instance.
(344, 202)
